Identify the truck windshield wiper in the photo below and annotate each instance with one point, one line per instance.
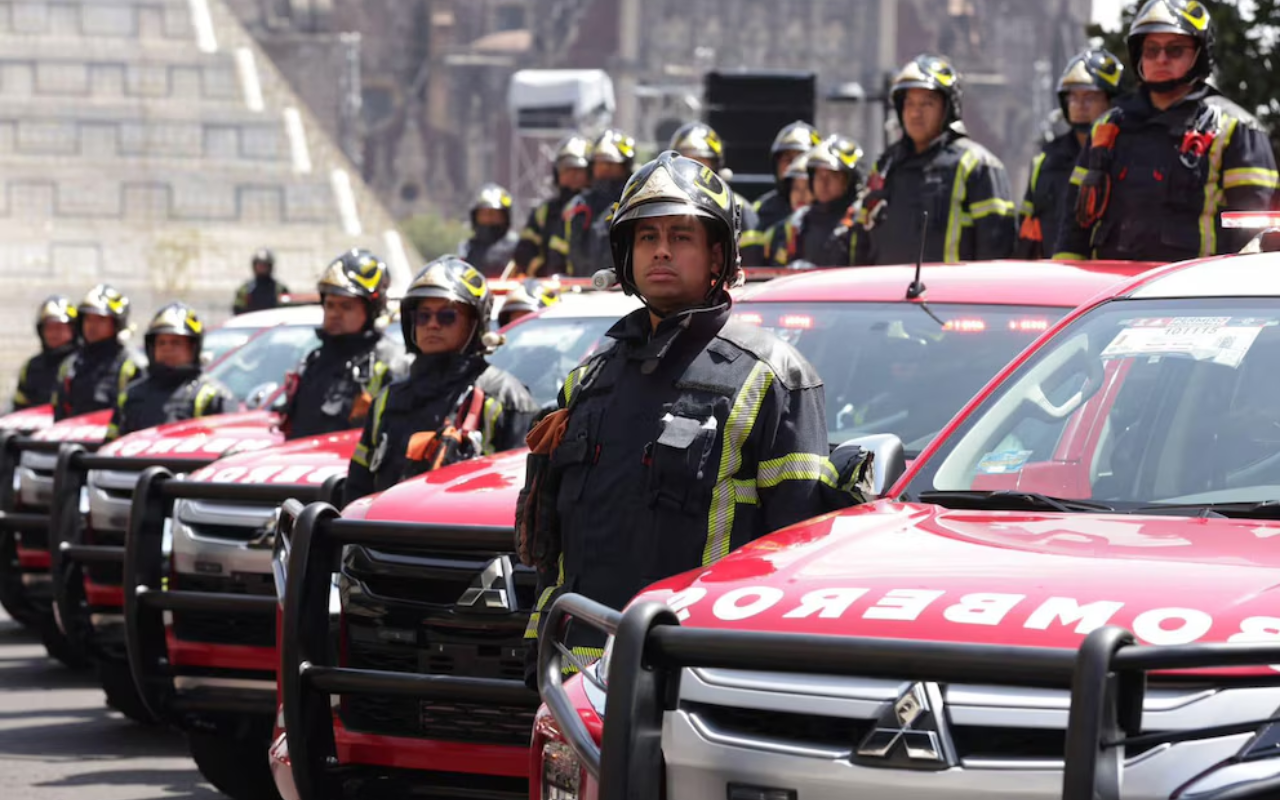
(1263, 509)
(1010, 500)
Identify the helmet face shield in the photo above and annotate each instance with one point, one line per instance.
(448, 278)
(1181, 17)
(360, 274)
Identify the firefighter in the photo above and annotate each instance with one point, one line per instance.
(172, 387)
(797, 185)
(453, 405)
(525, 300)
(1087, 88)
(102, 366)
(335, 384)
(493, 242)
(792, 141)
(571, 173)
(816, 234)
(582, 247)
(1161, 166)
(688, 434)
(936, 168)
(262, 291)
(700, 142)
(56, 327)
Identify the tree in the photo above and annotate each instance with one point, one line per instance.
(1246, 55)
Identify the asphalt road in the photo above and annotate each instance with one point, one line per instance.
(58, 739)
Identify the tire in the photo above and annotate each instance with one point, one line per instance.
(235, 765)
(122, 693)
(60, 648)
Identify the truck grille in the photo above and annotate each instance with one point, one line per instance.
(105, 574)
(217, 627)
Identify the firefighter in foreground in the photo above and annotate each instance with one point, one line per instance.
(56, 327)
(582, 245)
(102, 366)
(1161, 167)
(335, 384)
(493, 242)
(934, 167)
(262, 291)
(1087, 88)
(453, 405)
(689, 433)
(172, 387)
(571, 173)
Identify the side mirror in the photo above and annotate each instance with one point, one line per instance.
(258, 395)
(889, 461)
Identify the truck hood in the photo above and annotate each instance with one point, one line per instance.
(91, 427)
(207, 437)
(313, 460)
(28, 419)
(482, 491)
(914, 571)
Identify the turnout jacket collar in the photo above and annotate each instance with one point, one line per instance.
(644, 342)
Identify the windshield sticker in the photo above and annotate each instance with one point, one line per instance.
(1220, 340)
(1003, 462)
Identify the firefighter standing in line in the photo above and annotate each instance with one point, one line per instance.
(493, 242)
(813, 234)
(700, 142)
(571, 173)
(172, 388)
(336, 382)
(792, 141)
(640, 474)
(1161, 166)
(934, 167)
(582, 246)
(1087, 88)
(525, 300)
(92, 378)
(56, 327)
(453, 405)
(262, 291)
(796, 182)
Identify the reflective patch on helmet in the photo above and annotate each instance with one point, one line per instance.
(369, 275)
(1078, 75)
(1196, 14)
(474, 281)
(1159, 13)
(657, 185)
(715, 188)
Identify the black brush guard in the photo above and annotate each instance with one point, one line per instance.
(145, 598)
(12, 521)
(1106, 677)
(309, 547)
(71, 551)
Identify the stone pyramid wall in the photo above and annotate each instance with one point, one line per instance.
(151, 144)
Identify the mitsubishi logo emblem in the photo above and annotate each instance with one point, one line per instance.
(493, 589)
(911, 733)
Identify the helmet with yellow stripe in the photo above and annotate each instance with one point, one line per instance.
(175, 319)
(358, 273)
(453, 279)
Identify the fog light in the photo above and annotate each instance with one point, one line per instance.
(561, 772)
(738, 791)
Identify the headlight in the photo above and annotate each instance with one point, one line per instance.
(561, 772)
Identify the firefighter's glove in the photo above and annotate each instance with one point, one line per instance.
(537, 531)
(855, 478)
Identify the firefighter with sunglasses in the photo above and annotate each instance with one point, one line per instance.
(56, 327)
(92, 378)
(1087, 88)
(173, 387)
(335, 384)
(570, 172)
(936, 168)
(690, 433)
(1162, 165)
(453, 405)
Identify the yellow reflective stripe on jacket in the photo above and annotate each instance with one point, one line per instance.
(127, 370)
(489, 413)
(1065, 256)
(724, 497)
(585, 655)
(1250, 176)
(1212, 191)
(361, 455)
(203, 398)
(1077, 175)
(985, 208)
(956, 219)
(796, 467)
(531, 630)
(1036, 164)
(380, 372)
(571, 382)
(753, 239)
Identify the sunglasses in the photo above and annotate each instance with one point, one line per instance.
(1176, 50)
(447, 317)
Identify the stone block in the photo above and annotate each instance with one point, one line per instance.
(147, 202)
(310, 203)
(107, 80)
(30, 17)
(94, 197)
(76, 263)
(51, 137)
(99, 140)
(109, 19)
(62, 77)
(17, 79)
(260, 205)
(147, 80)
